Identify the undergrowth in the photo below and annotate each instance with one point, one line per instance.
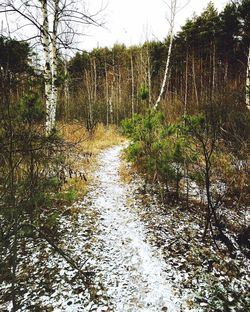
(193, 168)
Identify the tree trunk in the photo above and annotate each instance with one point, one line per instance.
(66, 90)
(13, 208)
(120, 95)
(107, 94)
(95, 80)
(207, 185)
(90, 100)
(54, 64)
(186, 86)
(171, 37)
(194, 81)
(111, 105)
(248, 81)
(165, 73)
(226, 71)
(213, 71)
(149, 78)
(47, 67)
(132, 87)
(186, 168)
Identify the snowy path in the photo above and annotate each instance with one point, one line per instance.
(131, 270)
(134, 248)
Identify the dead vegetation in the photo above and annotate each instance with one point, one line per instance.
(125, 171)
(81, 160)
(91, 142)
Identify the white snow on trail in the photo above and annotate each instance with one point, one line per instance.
(132, 251)
(131, 270)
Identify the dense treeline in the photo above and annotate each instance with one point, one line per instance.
(208, 67)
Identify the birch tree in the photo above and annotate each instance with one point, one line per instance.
(53, 24)
(47, 66)
(172, 7)
(54, 65)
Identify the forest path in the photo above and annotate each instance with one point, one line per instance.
(129, 268)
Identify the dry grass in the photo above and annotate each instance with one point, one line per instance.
(125, 171)
(91, 142)
(85, 148)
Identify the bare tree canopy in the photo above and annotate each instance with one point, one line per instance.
(24, 19)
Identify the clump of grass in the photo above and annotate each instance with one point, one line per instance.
(125, 172)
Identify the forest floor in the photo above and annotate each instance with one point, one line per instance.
(138, 255)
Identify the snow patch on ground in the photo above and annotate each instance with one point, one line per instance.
(110, 238)
(132, 270)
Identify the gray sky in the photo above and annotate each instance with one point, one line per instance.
(134, 21)
(126, 21)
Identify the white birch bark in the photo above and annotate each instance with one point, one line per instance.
(171, 37)
(47, 66)
(45, 16)
(248, 81)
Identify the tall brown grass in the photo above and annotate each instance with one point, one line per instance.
(91, 142)
(84, 146)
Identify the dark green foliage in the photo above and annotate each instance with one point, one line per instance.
(176, 154)
(14, 55)
(31, 109)
(71, 195)
(157, 148)
(144, 92)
